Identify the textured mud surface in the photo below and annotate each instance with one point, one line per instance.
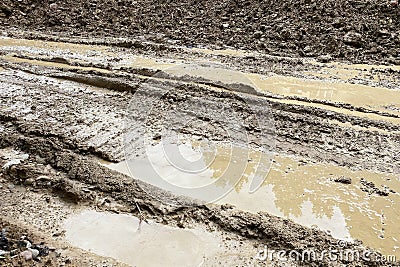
(66, 110)
(332, 125)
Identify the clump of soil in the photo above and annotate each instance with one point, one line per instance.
(360, 31)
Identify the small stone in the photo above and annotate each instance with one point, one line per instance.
(53, 6)
(35, 253)
(225, 25)
(353, 38)
(257, 34)
(29, 181)
(324, 58)
(43, 178)
(343, 180)
(27, 255)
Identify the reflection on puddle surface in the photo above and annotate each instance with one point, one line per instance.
(213, 72)
(184, 168)
(119, 236)
(38, 44)
(355, 94)
(302, 191)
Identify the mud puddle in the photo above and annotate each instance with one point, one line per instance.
(343, 91)
(189, 165)
(308, 194)
(293, 188)
(357, 95)
(78, 53)
(51, 64)
(125, 238)
(374, 98)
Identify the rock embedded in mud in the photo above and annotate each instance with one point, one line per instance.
(29, 182)
(42, 249)
(353, 39)
(258, 34)
(324, 58)
(53, 6)
(343, 180)
(27, 255)
(34, 252)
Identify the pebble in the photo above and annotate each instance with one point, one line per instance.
(343, 180)
(53, 6)
(258, 34)
(27, 255)
(43, 178)
(352, 38)
(324, 58)
(29, 181)
(35, 253)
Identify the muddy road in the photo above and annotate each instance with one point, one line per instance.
(105, 142)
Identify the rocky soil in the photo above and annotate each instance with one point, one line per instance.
(358, 31)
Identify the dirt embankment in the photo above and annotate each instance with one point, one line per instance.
(359, 31)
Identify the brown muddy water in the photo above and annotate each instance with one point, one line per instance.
(125, 238)
(293, 188)
(358, 95)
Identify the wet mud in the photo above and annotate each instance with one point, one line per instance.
(329, 133)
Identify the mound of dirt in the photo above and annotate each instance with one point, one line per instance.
(359, 31)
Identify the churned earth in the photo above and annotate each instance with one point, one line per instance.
(298, 148)
(360, 31)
